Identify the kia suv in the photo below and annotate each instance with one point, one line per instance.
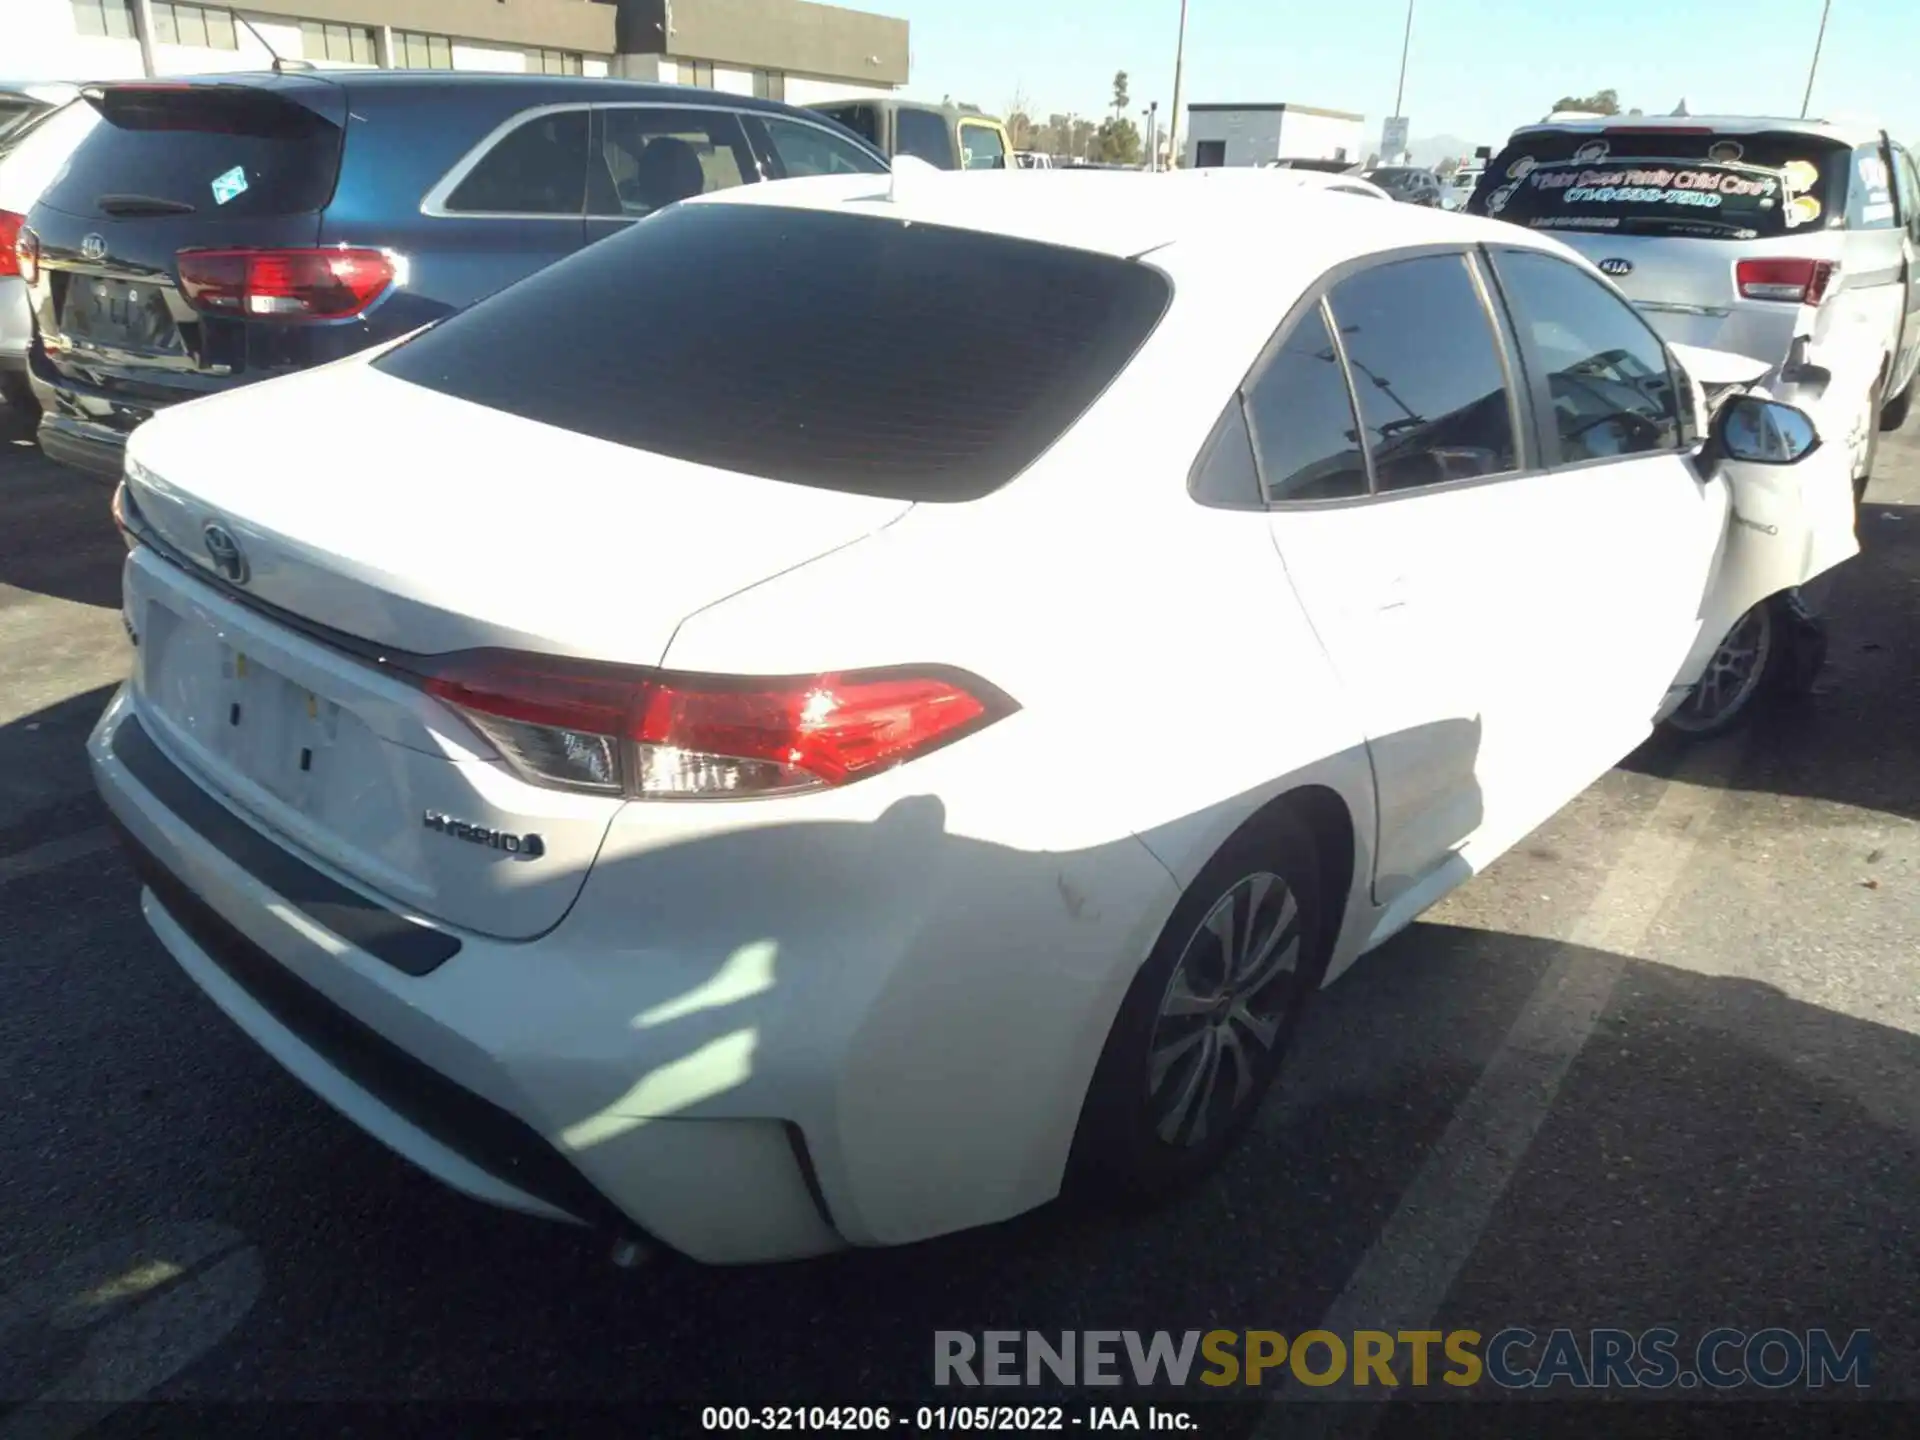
(217, 231)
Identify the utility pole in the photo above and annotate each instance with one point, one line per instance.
(1173, 119)
(1814, 68)
(1406, 44)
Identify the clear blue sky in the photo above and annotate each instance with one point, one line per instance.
(1478, 67)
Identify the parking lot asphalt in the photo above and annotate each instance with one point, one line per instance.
(1659, 1065)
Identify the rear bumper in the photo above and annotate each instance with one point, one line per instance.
(80, 426)
(387, 1050)
(16, 324)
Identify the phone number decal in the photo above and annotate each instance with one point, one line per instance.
(938, 1419)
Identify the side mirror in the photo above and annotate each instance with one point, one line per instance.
(1763, 432)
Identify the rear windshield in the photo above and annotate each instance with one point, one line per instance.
(842, 351)
(1659, 182)
(230, 151)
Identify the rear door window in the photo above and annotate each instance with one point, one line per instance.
(863, 120)
(538, 169)
(1668, 182)
(923, 135)
(816, 347)
(652, 156)
(1433, 393)
(227, 149)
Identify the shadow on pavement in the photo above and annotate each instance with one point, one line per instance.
(56, 530)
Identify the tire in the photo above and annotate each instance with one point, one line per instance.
(1137, 1144)
(17, 395)
(1774, 650)
(1894, 413)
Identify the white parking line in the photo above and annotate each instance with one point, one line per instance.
(55, 853)
(1404, 1278)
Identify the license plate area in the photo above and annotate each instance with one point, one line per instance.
(120, 314)
(255, 723)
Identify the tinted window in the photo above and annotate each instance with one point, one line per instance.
(1433, 397)
(1735, 187)
(981, 147)
(538, 169)
(1225, 476)
(1870, 196)
(236, 151)
(812, 150)
(823, 348)
(1606, 371)
(924, 134)
(863, 120)
(1302, 419)
(650, 158)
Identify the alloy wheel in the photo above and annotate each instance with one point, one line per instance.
(1224, 1010)
(1733, 674)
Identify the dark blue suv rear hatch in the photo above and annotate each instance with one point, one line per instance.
(215, 169)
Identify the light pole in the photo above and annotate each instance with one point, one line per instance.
(1173, 119)
(1814, 68)
(1406, 44)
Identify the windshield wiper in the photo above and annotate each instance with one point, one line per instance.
(141, 205)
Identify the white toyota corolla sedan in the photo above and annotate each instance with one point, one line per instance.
(857, 704)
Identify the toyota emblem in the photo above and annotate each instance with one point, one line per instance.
(225, 553)
(1616, 267)
(94, 247)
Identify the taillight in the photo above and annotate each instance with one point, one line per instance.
(1799, 282)
(655, 736)
(314, 284)
(13, 244)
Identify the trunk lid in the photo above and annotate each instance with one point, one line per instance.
(496, 532)
(173, 166)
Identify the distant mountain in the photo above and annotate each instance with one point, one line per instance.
(1430, 150)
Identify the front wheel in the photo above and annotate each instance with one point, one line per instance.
(1894, 414)
(1207, 1021)
(1776, 649)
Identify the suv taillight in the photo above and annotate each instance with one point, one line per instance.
(1798, 282)
(311, 284)
(607, 730)
(17, 251)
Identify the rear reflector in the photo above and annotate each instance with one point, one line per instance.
(1798, 282)
(11, 261)
(316, 284)
(653, 736)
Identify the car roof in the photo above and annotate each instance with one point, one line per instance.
(1129, 213)
(556, 87)
(1851, 132)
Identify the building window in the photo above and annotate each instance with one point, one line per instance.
(769, 85)
(554, 62)
(193, 25)
(697, 72)
(421, 52)
(349, 44)
(110, 18)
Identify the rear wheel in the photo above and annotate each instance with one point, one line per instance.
(1894, 414)
(1207, 1021)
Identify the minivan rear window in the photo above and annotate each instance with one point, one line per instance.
(1696, 183)
(848, 352)
(209, 150)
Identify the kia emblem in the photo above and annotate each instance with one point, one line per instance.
(94, 247)
(1616, 267)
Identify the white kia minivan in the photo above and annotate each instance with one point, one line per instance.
(1790, 241)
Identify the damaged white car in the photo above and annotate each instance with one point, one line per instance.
(828, 716)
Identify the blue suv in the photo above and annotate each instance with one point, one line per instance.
(220, 230)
